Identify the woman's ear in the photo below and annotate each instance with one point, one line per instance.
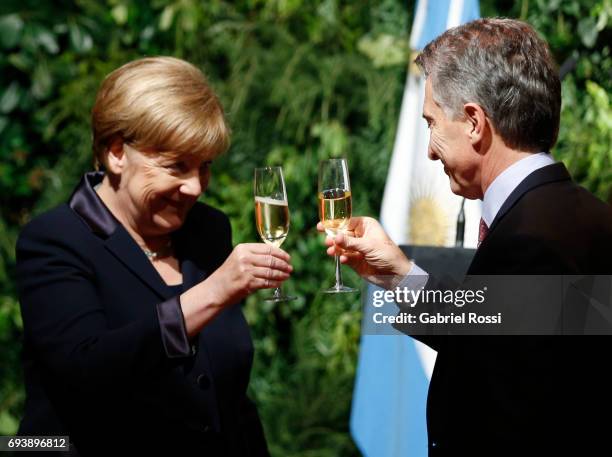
(476, 122)
(115, 156)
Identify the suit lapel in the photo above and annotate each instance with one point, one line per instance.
(545, 175)
(125, 249)
(90, 208)
(548, 174)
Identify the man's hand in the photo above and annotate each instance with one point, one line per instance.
(367, 249)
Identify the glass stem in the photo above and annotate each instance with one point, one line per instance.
(277, 293)
(338, 272)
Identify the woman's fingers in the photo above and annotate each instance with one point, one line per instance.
(261, 283)
(270, 274)
(266, 249)
(272, 262)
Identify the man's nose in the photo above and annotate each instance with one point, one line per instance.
(432, 154)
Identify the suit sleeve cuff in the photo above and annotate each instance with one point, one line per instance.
(173, 330)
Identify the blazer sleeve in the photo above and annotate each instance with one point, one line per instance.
(65, 322)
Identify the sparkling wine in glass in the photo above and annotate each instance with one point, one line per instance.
(272, 213)
(335, 207)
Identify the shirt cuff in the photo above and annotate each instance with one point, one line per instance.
(173, 330)
(415, 279)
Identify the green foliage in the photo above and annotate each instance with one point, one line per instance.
(300, 81)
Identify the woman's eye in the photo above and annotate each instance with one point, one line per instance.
(177, 166)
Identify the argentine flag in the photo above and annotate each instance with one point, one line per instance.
(418, 208)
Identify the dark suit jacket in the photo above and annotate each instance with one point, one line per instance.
(529, 395)
(106, 356)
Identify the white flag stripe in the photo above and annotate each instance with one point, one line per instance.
(419, 22)
(454, 13)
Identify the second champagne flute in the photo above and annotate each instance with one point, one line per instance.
(272, 213)
(335, 207)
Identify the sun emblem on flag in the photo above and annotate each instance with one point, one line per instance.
(429, 222)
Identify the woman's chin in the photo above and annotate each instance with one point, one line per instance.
(168, 222)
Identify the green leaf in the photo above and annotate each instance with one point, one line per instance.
(80, 39)
(587, 29)
(166, 18)
(120, 14)
(41, 81)
(47, 40)
(385, 50)
(10, 98)
(11, 26)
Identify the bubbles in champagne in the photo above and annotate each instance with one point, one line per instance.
(272, 220)
(334, 209)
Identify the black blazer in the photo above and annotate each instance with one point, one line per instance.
(529, 395)
(106, 356)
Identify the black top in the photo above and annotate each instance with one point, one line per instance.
(175, 289)
(106, 356)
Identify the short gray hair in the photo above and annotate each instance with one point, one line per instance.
(503, 66)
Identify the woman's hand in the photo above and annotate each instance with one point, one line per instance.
(367, 249)
(250, 267)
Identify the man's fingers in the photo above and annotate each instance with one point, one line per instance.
(349, 243)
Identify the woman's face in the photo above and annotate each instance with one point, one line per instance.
(158, 191)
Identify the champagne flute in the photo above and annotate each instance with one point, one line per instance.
(272, 213)
(335, 207)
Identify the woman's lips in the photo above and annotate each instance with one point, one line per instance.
(179, 206)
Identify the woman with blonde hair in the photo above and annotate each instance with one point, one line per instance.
(134, 338)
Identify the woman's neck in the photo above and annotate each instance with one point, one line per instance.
(112, 198)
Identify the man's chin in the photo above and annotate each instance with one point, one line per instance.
(466, 192)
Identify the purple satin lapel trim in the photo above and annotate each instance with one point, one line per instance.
(173, 331)
(86, 203)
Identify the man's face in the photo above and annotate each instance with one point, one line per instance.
(449, 142)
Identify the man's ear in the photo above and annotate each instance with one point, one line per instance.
(476, 122)
(115, 156)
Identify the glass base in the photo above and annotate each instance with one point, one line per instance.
(276, 299)
(340, 289)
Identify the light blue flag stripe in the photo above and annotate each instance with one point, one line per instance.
(390, 392)
(435, 21)
(388, 411)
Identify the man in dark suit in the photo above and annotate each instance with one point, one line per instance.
(492, 103)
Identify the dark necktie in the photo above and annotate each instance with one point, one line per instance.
(482, 231)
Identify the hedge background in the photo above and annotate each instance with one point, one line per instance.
(301, 80)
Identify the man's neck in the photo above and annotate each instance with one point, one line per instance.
(498, 158)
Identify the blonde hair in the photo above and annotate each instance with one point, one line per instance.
(160, 104)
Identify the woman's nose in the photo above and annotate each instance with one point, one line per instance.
(192, 185)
